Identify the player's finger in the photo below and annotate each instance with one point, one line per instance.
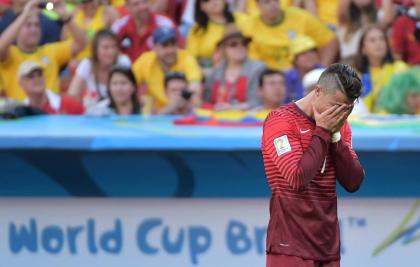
(330, 110)
(337, 112)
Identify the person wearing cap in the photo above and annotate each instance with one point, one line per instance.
(273, 31)
(135, 30)
(306, 58)
(150, 69)
(310, 80)
(31, 79)
(233, 84)
(20, 42)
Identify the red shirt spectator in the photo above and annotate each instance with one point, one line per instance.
(31, 78)
(56, 104)
(134, 30)
(405, 44)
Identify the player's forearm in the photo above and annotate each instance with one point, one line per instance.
(349, 171)
(312, 159)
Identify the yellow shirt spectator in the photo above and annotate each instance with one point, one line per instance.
(52, 56)
(149, 72)
(271, 43)
(380, 77)
(252, 7)
(90, 26)
(202, 43)
(117, 3)
(327, 11)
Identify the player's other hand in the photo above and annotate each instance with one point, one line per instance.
(333, 118)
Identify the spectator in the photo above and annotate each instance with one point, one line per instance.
(91, 16)
(92, 74)
(406, 36)
(211, 18)
(310, 80)
(233, 84)
(151, 67)
(354, 16)
(50, 29)
(272, 89)
(122, 91)
(135, 30)
(325, 10)
(251, 8)
(25, 30)
(4, 5)
(273, 31)
(305, 59)
(375, 63)
(402, 95)
(176, 88)
(31, 79)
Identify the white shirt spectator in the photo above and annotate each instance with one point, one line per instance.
(94, 90)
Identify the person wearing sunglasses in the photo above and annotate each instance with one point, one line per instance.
(233, 84)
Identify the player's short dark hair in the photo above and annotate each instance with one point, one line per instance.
(342, 77)
(268, 72)
(174, 76)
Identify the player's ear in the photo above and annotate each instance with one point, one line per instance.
(317, 90)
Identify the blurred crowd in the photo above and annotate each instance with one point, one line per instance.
(123, 57)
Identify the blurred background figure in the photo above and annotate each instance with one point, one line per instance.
(50, 29)
(21, 41)
(273, 31)
(31, 79)
(4, 5)
(211, 18)
(402, 94)
(306, 58)
(375, 64)
(92, 16)
(310, 80)
(150, 69)
(90, 82)
(406, 35)
(233, 84)
(354, 16)
(178, 94)
(272, 90)
(122, 91)
(135, 30)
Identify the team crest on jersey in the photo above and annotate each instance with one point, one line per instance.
(282, 145)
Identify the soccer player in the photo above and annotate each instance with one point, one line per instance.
(306, 146)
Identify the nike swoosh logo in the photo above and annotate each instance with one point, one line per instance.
(304, 131)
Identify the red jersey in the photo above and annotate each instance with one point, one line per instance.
(301, 166)
(403, 40)
(134, 44)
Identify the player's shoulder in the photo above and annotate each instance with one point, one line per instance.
(285, 115)
(285, 111)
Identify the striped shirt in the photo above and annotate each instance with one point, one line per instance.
(302, 166)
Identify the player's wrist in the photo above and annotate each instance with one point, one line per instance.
(335, 137)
